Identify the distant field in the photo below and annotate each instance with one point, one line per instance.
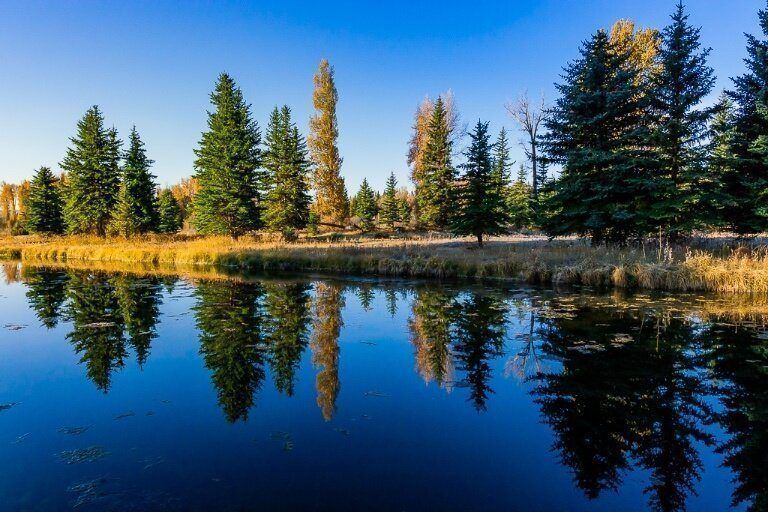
(715, 263)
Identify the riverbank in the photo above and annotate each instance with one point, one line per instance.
(708, 264)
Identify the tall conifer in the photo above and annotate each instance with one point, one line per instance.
(44, 213)
(365, 206)
(390, 209)
(228, 157)
(433, 194)
(139, 185)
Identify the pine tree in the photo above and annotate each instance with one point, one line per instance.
(124, 221)
(433, 194)
(518, 201)
(501, 168)
(331, 201)
(596, 131)
(365, 206)
(140, 186)
(680, 126)
(44, 212)
(169, 213)
(479, 201)
(405, 210)
(747, 182)
(286, 203)
(93, 176)
(226, 166)
(390, 209)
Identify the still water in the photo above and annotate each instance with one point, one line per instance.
(125, 391)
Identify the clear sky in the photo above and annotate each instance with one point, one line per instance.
(154, 63)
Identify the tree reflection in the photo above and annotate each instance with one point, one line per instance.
(430, 327)
(619, 394)
(230, 318)
(139, 300)
(740, 365)
(46, 293)
(329, 302)
(97, 326)
(287, 308)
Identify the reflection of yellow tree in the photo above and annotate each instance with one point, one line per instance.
(329, 301)
(430, 327)
(12, 272)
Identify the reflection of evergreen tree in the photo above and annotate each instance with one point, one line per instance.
(97, 330)
(390, 296)
(740, 365)
(479, 337)
(231, 322)
(287, 308)
(616, 396)
(329, 302)
(46, 293)
(140, 304)
(365, 295)
(430, 326)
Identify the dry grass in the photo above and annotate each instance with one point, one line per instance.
(709, 264)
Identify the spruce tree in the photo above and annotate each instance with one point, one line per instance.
(518, 201)
(433, 194)
(331, 202)
(365, 206)
(169, 213)
(405, 210)
(596, 131)
(286, 203)
(124, 221)
(44, 213)
(93, 175)
(501, 168)
(390, 209)
(140, 186)
(680, 126)
(748, 180)
(721, 166)
(479, 202)
(228, 156)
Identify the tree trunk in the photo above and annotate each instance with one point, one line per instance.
(480, 240)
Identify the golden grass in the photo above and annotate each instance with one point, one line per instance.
(710, 265)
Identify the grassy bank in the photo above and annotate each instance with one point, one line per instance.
(714, 264)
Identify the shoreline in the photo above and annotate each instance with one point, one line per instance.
(709, 265)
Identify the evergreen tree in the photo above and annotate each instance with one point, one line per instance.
(286, 203)
(518, 201)
(433, 194)
(124, 223)
(226, 166)
(287, 306)
(596, 132)
(501, 170)
(365, 206)
(390, 209)
(139, 185)
(405, 210)
(331, 202)
(44, 213)
(93, 178)
(747, 182)
(680, 127)
(479, 202)
(169, 213)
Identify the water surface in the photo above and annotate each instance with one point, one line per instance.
(136, 391)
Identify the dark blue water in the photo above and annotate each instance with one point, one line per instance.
(134, 392)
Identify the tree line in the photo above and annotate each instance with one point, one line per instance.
(629, 150)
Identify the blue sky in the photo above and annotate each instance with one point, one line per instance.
(154, 63)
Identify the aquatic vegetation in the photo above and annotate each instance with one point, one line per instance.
(82, 455)
(74, 431)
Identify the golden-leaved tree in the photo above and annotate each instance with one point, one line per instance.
(331, 201)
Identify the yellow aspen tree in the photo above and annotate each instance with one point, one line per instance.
(331, 201)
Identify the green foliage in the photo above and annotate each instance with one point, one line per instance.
(228, 157)
(139, 186)
(479, 201)
(747, 180)
(679, 127)
(365, 207)
(596, 131)
(44, 212)
(286, 203)
(93, 176)
(288, 316)
(170, 220)
(139, 301)
(46, 293)
(519, 201)
(124, 221)
(390, 209)
(433, 193)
